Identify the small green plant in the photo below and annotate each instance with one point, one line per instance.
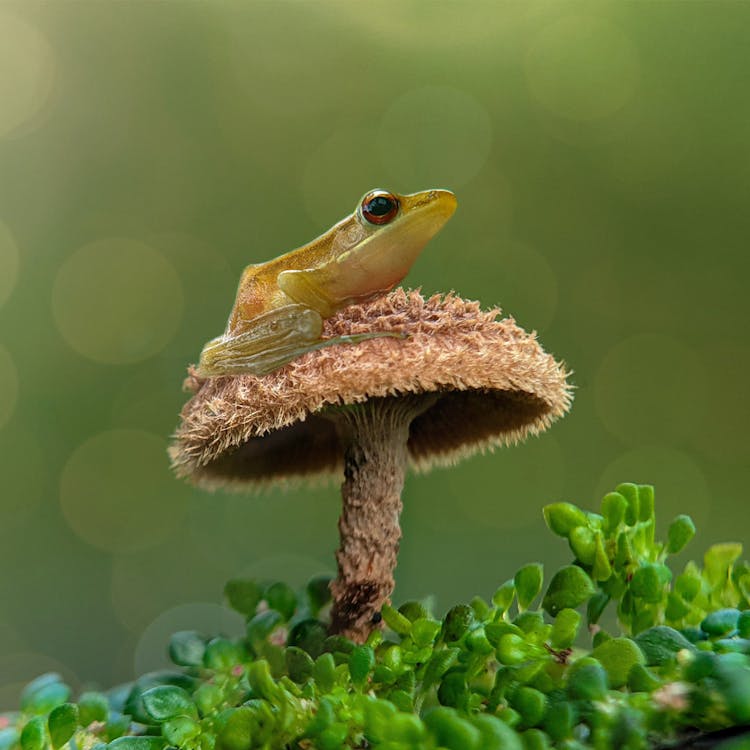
(517, 672)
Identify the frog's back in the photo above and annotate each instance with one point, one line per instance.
(259, 292)
(319, 251)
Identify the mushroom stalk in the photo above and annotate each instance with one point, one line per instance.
(375, 436)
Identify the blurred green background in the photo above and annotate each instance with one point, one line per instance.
(150, 150)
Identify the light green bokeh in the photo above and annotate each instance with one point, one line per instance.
(412, 28)
(9, 263)
(8, 386)
(25, 473)
(642, 151)
(435, 136)
(651, 388)
(582, 67)
(525, 280)
(481, 487)
(722, 431)
(116, 491)
(172, 581)
(27, 71)
(16, 666)
(117, 301)
(230, 531)
(338, 172)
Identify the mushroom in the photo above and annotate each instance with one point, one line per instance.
(462, 380)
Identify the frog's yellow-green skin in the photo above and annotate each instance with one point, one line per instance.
(280, 307)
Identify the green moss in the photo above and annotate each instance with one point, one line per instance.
(486, 675)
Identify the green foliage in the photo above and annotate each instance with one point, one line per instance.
(62, 723)
(497, 675)
(187, 648)
(44, 693)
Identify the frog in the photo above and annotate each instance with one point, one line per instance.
(281, 305)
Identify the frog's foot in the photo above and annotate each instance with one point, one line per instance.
(272, 340)
(258, 347)
(227, 358)
(271, 359)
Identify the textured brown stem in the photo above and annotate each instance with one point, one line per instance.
(375, 435)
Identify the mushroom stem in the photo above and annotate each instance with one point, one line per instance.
(375, 436)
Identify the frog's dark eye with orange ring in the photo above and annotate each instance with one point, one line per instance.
(379, 207)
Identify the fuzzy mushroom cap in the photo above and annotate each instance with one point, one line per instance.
(488, 383)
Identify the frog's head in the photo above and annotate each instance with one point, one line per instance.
(428, 210)
(372, 249)
(393, 229)
(414, 218)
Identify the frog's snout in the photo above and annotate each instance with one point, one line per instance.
(445, 202)
(439, 204)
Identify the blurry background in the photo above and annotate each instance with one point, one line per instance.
(148, 151)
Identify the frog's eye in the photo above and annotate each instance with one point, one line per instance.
(379, 207)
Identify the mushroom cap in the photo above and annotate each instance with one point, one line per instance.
(488, 382)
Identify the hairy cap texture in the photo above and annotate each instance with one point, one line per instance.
(488, 382)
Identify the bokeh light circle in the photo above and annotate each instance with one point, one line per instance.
(338, 173)
(656, 145)
(148, 399)
(582, 68)
(19, 668)
(9, 260)
(432, 29)
(525, 284)
(435, 136)
(650, 387)
(205, 617)
(8, 386)
(24, 472)
(722, 434)
(27, 70)
(231, 531)
(679, 482)
(117, 301)
(117, 492)
(484, 494)
(145, 583)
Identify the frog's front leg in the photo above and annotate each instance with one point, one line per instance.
(269, 341)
